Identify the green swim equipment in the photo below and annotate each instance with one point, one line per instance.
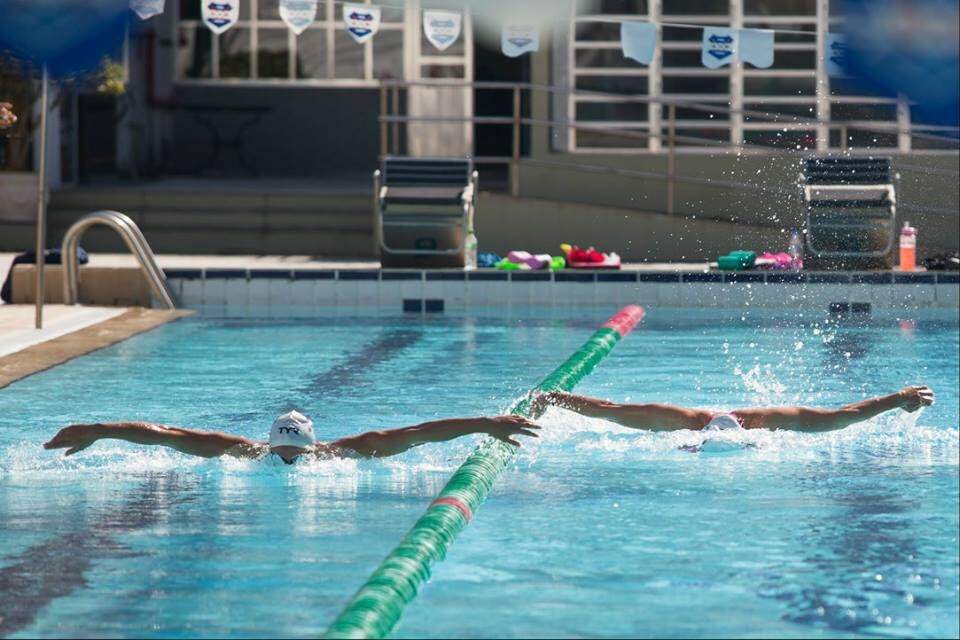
(378, 605)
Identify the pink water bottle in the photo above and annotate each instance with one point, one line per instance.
(908, 248)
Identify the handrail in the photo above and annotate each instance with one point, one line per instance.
(670, 140)
(132, 237)
(773, 117)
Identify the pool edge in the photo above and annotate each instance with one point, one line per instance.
(50, 353)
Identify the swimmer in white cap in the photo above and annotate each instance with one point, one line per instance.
(290, 437)
(667, 417)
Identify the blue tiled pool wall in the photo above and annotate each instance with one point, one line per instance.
(250, 290)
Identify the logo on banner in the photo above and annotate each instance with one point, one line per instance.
(219, 16)
(518, 39)
(362, 20)
(146, 8)
(836, 54)
(442, 28)
(298, 14)
(719, 47)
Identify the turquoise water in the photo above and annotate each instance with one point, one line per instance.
(596, 531)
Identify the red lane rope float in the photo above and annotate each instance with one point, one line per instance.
(457, 504)
(625, 320)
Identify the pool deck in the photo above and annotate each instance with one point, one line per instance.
(17, 330)
(172, 261)
(69, 331)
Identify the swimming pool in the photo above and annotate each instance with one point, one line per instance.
(596, 531)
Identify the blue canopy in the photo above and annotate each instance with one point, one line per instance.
(69, 36)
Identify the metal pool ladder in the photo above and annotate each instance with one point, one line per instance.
(132, 237)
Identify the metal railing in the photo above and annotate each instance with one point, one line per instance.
(671, 142)
(132, 237)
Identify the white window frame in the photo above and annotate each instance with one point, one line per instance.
(820, 101)
(328, 19)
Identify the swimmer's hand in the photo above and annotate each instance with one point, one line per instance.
(206, 444)
(505, 427)
(913, 398)
(74, 438)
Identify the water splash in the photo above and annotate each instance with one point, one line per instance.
(889, 436)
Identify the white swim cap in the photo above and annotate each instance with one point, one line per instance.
(292, 430)
(723, 421)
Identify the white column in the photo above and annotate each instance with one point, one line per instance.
(572, 77)
(823, 82)
(903, 124)
(736, 79)
(655, 78)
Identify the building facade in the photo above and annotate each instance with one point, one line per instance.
(587, 125)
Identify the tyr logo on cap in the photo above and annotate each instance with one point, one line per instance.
(292, 429)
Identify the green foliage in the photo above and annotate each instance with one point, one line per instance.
(111, 78)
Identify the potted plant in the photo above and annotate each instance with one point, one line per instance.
(18, 181)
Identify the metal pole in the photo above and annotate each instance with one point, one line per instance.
(671, 157)
(395, 109)
(383, 123)
(39, 284)
(515, 156)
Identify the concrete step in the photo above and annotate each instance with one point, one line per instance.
(223, 221)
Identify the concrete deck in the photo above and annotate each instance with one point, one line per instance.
(173, 261)
(69, 332)
(17, 330)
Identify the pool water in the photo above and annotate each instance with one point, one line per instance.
(595, 531)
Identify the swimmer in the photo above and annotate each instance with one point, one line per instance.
(666, 417)
(290, 437)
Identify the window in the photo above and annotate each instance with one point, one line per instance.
(733, 106)
(611, 89)
(260, 47)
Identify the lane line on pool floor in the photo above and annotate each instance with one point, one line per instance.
(61, 565)
(376, 608)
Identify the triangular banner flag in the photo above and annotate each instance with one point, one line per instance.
(219, 16)
(146, 8)
(298, 14)
(638, 41)
(835, 54)
(442, 28)
(756, 47)
(362, 21)
(719, 47)
(518, 38)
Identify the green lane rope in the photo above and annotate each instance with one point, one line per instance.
(378, 605)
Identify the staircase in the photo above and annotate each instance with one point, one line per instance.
(226, 217)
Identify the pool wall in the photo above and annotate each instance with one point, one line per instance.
(264, 291)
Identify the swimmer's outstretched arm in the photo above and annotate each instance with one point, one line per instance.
(811, 419)
(206, 444)
(656, 417)
(391, 442)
